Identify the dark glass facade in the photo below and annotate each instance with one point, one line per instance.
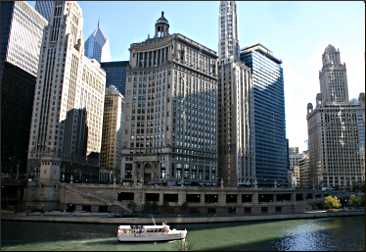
(6, 12)
(17, 91)
(116, 74)
(271, 155)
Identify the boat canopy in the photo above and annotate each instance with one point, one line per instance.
(155, 226)
(124, 227)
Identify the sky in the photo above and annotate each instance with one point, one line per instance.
(296, 32)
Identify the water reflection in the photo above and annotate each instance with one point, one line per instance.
(319, 234)
(324, 235)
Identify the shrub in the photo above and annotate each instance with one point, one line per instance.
(332, 202)
(355, 201)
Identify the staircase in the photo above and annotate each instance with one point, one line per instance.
(92, 196)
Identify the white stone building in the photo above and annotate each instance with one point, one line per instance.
(171, 90)
(335, 129)
(25, 37)
(236, 159)
(66, 128)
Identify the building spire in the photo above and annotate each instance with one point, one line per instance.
(228, 31)
(98, 22)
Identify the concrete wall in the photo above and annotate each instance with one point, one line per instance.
(107, 195)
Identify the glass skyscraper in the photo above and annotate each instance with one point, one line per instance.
(97, 46)
(21, 33)
(116, 74)
(269, 115)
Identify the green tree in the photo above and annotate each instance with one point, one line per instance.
(132, 205)
(332, 202)
(355, 201)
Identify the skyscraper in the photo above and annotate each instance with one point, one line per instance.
(116, 74)
(228, 31)
(170, 132)
(236, 157)
(113, 127)
(269, 115)
(335, 128)
(66, 128)
(20, 40)
(97, 46)
(333, 78)
(294, 158)
(305, 171)
(45, 8)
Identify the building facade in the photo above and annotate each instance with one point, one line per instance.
(236, 158)
(271, 156)
(97, 46)
(45, 8)
(305, 171)
(228, 31)
(113, 127)
(116, 74)
(67, 117)
(21, 38)
(170, 132)
(294, 170)
(335, 129)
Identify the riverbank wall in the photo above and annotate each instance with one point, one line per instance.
(178, 219)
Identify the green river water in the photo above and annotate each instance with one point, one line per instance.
(341, 233)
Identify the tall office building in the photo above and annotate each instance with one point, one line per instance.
(170, 132)
(305, 171)
(294, 171)
(21, 38)
(45, 8)
(271, 157)
(333, 78)
(97, 46)
(228, 31)
(335, 128)
(113, 127)
(116, 74)
(236, 158)
(66, 128)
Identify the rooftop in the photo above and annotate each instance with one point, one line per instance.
(263, 50)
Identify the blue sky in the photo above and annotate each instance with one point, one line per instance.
(296, 32)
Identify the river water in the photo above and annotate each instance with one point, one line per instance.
(341, 233)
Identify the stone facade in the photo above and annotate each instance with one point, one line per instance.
(305, 172)
(171, 90)
(192, 200)
(236, 159)
(66, 127)
(335, 128)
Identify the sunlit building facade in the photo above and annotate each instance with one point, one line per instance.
(113, 128)
(236, 158)
(336, 129)
(170, 132)
(20, 44)
(67, 117)
(97, 46)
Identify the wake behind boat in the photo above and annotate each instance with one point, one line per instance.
(127, 233)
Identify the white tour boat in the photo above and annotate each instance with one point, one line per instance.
(127, 233)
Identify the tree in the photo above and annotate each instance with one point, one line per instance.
(332, 202)
(355, 201)
(132, 205)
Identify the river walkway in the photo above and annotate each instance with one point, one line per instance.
(105, 219)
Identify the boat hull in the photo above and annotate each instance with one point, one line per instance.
(179, 235)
